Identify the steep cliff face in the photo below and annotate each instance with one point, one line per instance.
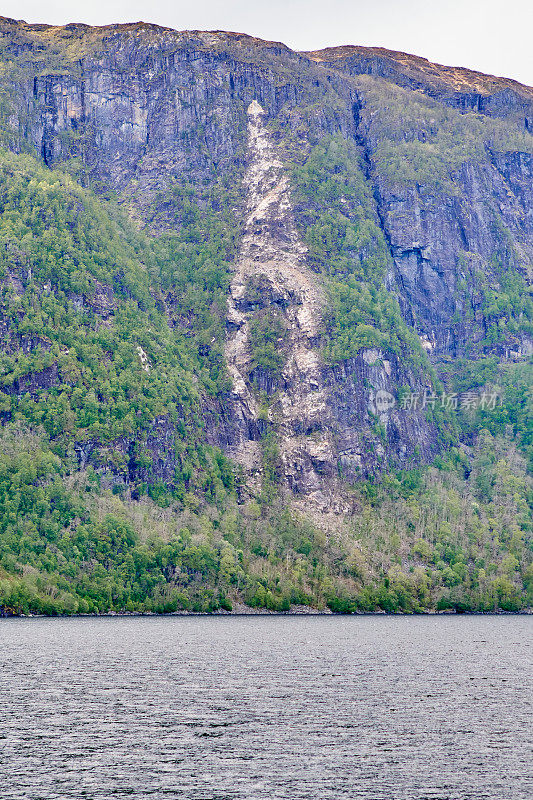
(265, 320)
(457, 87)
(159, 119)
(321, 416)
(448, 250)
(456, 229)
(138, 104)
(134, 107)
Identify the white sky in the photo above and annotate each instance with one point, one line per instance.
(488, 35)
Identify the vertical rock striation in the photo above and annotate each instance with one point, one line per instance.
(132, 111)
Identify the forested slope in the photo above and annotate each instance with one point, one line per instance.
(266, 326)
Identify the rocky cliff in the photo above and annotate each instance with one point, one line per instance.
(428, 220)
(266, 326)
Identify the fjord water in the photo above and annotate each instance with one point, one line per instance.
(266, 707)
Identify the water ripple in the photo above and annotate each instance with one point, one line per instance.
(266, 708)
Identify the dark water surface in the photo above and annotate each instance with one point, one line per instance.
(266, 707)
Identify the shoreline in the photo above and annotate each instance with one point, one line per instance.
(241, 610)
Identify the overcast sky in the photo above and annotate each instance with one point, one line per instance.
(488, 35)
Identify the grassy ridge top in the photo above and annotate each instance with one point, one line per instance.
(458, 79)
(78, 39)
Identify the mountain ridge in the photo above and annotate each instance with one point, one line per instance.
(406, 59)
(268, 309)
(334, 51)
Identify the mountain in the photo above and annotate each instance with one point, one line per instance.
(267, 326)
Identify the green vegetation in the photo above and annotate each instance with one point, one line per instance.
(112, 361)
(452, 537)
(194, 265)
(266, 340)
(464, 527)
(88, 352)
(512, 412)
(82, 291)
(336, 215)
(506, 303)
(417, 140)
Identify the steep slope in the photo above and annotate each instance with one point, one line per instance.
(458, 87)
(131, 108)
(271, 264)
(87, 353)
(454, 198)
(249, 283)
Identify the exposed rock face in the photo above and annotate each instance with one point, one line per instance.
(144, 105)
(271, 250)
(321, 415)
(139, 106)
(35, 381)
(460, 88)
(439, 242)
(452, 234)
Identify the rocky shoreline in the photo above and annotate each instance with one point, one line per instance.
(242, 610)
